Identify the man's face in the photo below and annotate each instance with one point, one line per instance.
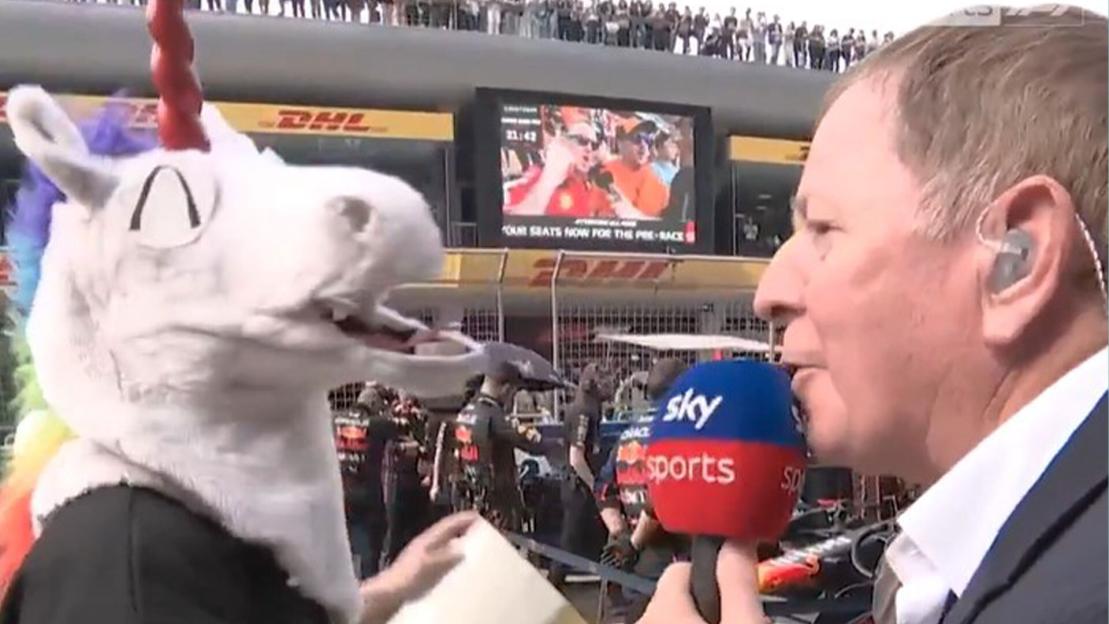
(878, 316)
(669, 151)
(584, 139)
(635, 149)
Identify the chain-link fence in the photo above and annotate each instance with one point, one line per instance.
(676, 297)
(598, 304)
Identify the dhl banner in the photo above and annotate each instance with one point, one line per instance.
(534, 269)
(284, 119)
(764, 150)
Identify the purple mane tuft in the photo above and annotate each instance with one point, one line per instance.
(106, 134)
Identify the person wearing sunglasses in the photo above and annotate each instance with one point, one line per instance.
(562, 185)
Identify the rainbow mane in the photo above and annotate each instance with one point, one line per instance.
(41, 432)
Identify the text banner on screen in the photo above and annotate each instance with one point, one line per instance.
(283, 118)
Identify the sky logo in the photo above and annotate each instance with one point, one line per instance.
(696, 408)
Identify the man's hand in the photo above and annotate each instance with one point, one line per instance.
(421, 565)
(620, 552)
(739, 595)
(559, 159)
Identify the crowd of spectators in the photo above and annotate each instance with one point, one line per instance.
(752, 37)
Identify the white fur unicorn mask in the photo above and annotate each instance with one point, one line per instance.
(193, 309)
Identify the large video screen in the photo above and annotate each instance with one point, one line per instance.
(579, 173)
(570, 172)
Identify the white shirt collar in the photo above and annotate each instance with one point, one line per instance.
(947, 532)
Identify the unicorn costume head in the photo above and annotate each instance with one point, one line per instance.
(196, 301)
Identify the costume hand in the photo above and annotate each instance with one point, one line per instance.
(422, 564)
(739, 595)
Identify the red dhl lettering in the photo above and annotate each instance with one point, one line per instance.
(328, 121)
(585, 271)
(145, 114)
(138, 114)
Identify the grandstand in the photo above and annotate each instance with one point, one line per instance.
(761, 37)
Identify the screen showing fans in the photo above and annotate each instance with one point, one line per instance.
(574, 173)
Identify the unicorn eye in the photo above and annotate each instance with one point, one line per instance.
(170, 207)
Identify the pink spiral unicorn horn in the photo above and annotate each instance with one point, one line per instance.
(179, 94)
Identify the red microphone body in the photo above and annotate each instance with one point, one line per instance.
(726, 460)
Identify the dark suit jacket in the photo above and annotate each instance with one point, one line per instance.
(1048, 564)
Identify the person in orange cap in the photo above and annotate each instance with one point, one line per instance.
(632, 174)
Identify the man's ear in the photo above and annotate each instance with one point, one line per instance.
(1043, 213)
(50, 140)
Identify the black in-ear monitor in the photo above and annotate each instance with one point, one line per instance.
(1014, 260)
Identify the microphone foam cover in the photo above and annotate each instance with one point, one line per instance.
(726, 455)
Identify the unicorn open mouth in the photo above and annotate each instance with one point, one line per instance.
(386, 329)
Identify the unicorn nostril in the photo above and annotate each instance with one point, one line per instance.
(356, 212)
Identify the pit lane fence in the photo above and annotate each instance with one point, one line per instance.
(775, 607)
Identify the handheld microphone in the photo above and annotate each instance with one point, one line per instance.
(726, 460)
(601, 178)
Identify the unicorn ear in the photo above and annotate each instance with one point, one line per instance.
(50, 140)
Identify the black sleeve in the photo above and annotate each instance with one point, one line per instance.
(130, 556)
(577, 427)
(384, 428)
(521, 436)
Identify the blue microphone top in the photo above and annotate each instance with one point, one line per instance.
(729, 400)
